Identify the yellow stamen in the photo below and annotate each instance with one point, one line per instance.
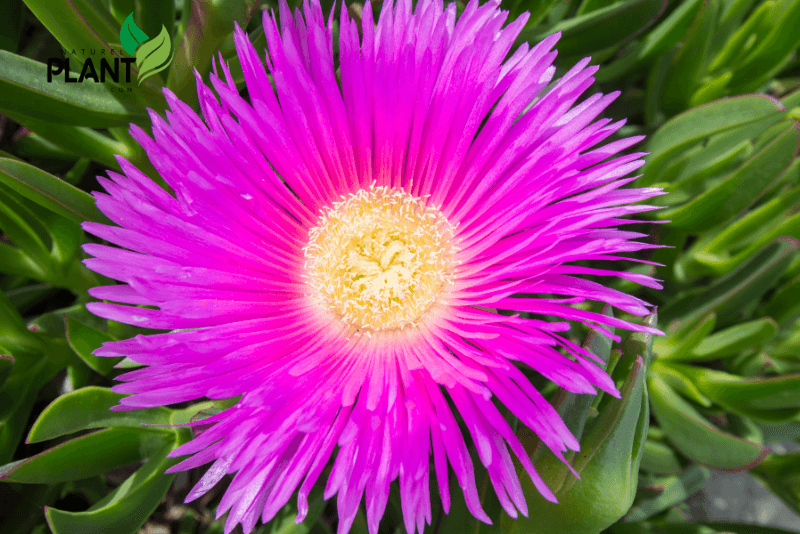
(379, 259)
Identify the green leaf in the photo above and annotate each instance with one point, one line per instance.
(78, 23)
(670, 31)
(659, 458)
(126, 509)
(665, 36)
(696, 124)
(689, 64)
(16, 262)
(728, 295)
(755, 224)
(131, 36)
(733, 14)
(608, 464)
(75, 174)
(710, 89)
(26, 91)
(11, 25)
(89, 407)
(739, 189)
(50, 192)
(770, 52)
(680, 346)
(53, 242)
(652, 102)
(154, 55)
(14, 334)
(735, 339)
(153, 14)
(734, 48)
(209, 23)
(767, 399)
(697, 438)
(86, 456)
(792, 100)
(84, 339)
(21, 390)
(679, 382)
(30, 145)
(537, 8)
(574, 407)
(676, 489)
(79, 140)
(25, 230)
(602, 28)
(6, 365)
(785, 303)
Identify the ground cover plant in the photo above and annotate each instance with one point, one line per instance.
(410, 257)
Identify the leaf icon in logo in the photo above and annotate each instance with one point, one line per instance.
(154, 55)
(131, 36)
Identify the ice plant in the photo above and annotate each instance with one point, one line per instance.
(336, 252)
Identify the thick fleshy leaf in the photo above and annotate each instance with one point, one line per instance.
(770, 52)
(78, 140)
(48, 191)
(697, 438)
(732, 340)
(77, 24)
(689, 64)
(785, 303)
(209, 22)
(89, 407)
(89, 455)
(733, 194)
(25, 229)
(792, 100)
(608, 464)
(29, 374)
(84, 340)
(768, 399)
(125, 509)
(14, 335)
(151, 15)
(679, 345)
(674, 490)
(679, 382)
(696, 124)
(574, 407)
(728, 295)
(603, 28)
(667, 33)
(718, 254)
(6, 364)
(49, 241)
(659, 458)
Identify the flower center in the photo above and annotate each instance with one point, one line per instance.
(379, 259)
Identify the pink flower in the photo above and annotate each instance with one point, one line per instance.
(336, 251)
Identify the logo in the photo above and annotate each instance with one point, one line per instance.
(152, 55)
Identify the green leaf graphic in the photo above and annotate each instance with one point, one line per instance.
(131, 36)
(154, 55)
